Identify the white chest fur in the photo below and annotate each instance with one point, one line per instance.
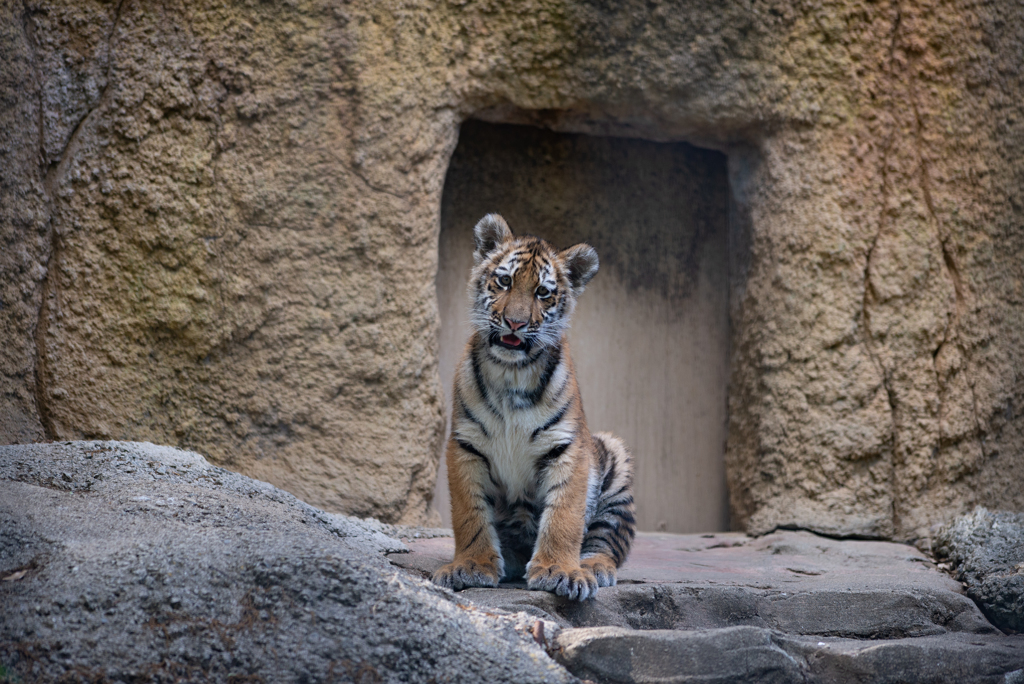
(507, 428)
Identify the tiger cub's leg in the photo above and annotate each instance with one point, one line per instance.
(555, 565)
(612, 527)
(478, 561)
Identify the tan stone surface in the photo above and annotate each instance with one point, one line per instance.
(219, 279)
(24, 234)
(220, 223)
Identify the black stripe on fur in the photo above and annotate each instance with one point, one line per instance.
(600, 524)
(480, 386)
(469, 414)
(473, 539)
(613, 526)
(466, 446)
(609, 477)
(534, 395)
(553, 420)
(602, 460)
(547, 459)
(624, 516)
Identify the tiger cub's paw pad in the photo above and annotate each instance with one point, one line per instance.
(604, 570)
(468, 573)
(576, 584)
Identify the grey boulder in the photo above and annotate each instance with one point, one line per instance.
(985, 550)
(128, 562)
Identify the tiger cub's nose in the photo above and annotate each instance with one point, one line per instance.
(515, 325)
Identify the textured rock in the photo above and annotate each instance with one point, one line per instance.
(735, 654)
(953, 658)
(986, 552)
(131, 562)
(215, 255)
(24, 231)
(788, 607)
(219, 229)
(749, 654)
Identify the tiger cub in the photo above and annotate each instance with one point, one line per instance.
(534, 494)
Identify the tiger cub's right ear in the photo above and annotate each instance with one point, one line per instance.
(490, 232)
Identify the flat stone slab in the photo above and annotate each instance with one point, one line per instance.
(734, 655)
(790, 606)
(784, 560)
(796, 582)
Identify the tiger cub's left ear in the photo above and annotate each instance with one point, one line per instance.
(490, 232)
(581, 263)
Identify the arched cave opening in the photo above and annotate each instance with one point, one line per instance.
(650, 337)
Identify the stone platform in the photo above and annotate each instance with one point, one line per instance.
(789, 606)
(128, 562)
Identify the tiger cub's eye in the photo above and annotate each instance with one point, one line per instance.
(543, 292)
(504, 281)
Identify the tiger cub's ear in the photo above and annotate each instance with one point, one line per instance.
(581, 264)
(490, 232)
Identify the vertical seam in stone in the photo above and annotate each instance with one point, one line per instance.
(53, 171)
(38, 335)
(951, 268)
(949, 262)
(865, 313)
(866, 317)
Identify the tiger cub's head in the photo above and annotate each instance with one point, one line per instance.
(523, 291)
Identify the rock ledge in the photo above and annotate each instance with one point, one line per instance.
(786, 607)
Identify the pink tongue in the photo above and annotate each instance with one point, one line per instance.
(511, 339)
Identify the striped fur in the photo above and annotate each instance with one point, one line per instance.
(534, 494)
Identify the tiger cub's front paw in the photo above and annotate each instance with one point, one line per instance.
(603, 568)
(576, 584)
(468, 572)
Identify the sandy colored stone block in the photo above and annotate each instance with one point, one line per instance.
(220, 224)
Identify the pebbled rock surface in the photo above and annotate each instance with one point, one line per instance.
(129, 562)
(787, 607)
(985, 550)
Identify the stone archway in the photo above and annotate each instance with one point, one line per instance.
(650, 337)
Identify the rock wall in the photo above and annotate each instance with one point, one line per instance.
(220, 224)
(220, 276)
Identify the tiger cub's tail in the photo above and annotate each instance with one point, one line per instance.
(612, 526)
